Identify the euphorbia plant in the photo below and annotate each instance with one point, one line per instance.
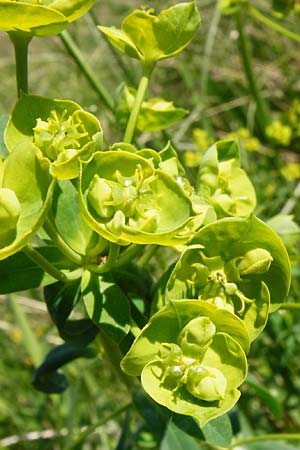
(105, 207)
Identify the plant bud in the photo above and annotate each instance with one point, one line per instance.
(256, 261)
(206, 383)
(100, 193)
(196, 336)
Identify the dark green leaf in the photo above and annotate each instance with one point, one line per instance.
(46, 378)
(218, 431)
(18, 272)
(176, 439)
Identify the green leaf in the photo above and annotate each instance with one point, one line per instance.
(155, 114)
(36, 20)
(107, 305)
(152, 38)
(218, 431)
(46, 378)
(28, 177)
(223, 183)
(289, 232)
(40, 20)
(67, 217)
(234, 237)
(176, 439)
(20, 273)
(60, 300)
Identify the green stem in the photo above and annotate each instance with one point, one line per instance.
(61, 244)
(271, 24)
(262, 112)
(29, 339)
(89, 430)
(290, 306)
(266, 437)
(86, 69)
(20, 43)
(35, 256)
(208, 49)
(111, 351)
(147, 255)
(131, 252)
(140, 95)
(112, 257)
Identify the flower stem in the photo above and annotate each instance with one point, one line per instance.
(140, 95)
(112, 257)
(266, 437)
(290, 306)
(86, 69)
(20, 43)
(262, 112)
(271, 24)
(36, 257)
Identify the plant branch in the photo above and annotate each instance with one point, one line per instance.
(271, 24)
(266, 437)
(290, 306)
(140, 96)
(20, 43)
(86, 69)
(36, 257)
(245, 52)
(89, 430)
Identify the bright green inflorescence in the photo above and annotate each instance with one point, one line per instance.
(63, 133)
(193, 366)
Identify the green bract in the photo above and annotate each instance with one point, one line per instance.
(25, 197)
(223, 183)
(207, 278)
(152, 38)
(250, 252)
(126, 199)
(190, 360)
(60, 129)
(40, 18)
(155, 114)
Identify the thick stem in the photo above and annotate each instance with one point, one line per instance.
(36, 257)
(262, 112)
(20, 43)
(140, 96)
(86, 69)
